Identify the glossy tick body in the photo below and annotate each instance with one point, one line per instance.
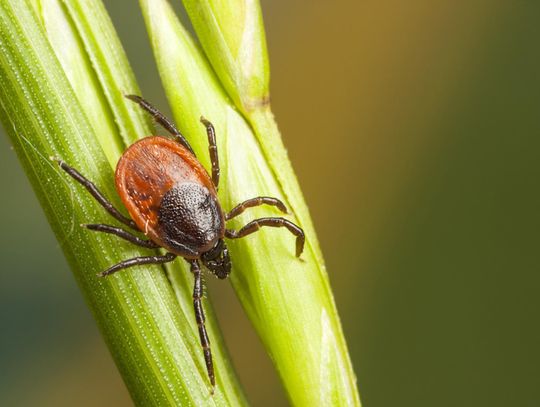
(173, 201)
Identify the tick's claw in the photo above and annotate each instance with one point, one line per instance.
(299, 246)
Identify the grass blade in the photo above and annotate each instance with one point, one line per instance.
(146, 320)
(289, 301)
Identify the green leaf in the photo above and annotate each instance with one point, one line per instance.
(288, 300)
(49, 110)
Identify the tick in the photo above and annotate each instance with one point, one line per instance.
(173, 201)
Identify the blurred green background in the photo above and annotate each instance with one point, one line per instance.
(414, 128)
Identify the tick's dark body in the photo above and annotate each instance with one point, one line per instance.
(170, 196)
(173, 201)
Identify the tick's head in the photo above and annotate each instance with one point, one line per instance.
(217, 260)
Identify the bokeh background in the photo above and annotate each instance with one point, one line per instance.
(414, 128)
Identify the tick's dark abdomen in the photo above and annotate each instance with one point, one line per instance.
(189, 215)
(170, 196)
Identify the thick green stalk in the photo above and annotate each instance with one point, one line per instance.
(288, 300)
(48, 110)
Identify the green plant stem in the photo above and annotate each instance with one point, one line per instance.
(288, 300)
(146, 320)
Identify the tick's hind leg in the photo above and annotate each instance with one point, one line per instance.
(98, 196)
(123, 234)
(199, 316)
(161, 119)
(250, 203)
(256, 224)
(138, 261)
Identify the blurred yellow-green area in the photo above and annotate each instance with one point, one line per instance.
(414, 128)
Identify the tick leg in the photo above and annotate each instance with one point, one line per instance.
(90, 187)
(256, 224)
(212, 149)
(161, 119)
(137, 261)
(250, 203)
(199, 316)
(123, 234)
